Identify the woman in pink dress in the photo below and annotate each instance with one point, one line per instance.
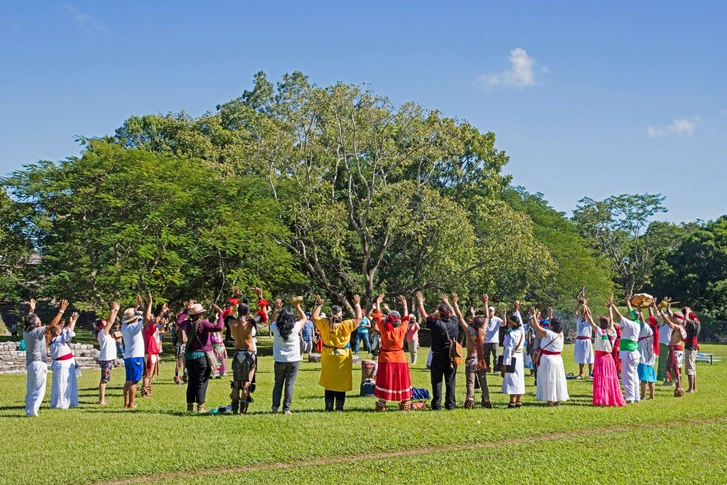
(606, 387)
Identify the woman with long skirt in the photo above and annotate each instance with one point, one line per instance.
(393, 381)
(552, 386)
(606, 387)
(513, 383)
(64, 388)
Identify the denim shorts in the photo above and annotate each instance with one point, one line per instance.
(134, 368)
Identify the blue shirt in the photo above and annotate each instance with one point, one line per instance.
(307, 332)
(361, 328)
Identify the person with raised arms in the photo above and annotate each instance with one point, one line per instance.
(444, 329)
(36, 354)
(583, 348)
(107, 351)
(647, 356)
(64, 388)
(475, 365)
(606, 387)
(286, 329)
(244, 359)
(629, 352)
(393, 381)
(513, 364)
(676, 347)
(336, 357)
(552, 386)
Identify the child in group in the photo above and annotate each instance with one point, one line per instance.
(218, 347)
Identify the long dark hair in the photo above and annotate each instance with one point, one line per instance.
(556, 325)
(286, 322)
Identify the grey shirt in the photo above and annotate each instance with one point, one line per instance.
(35, 350)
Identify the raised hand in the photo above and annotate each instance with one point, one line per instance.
(32, 306)
(485, 299)
(64, 305)
(386, 307)
(217, 308)
(356, 300)
(278, 303)
(532, 311)
(402, 300)
(472, 312)
(236, 291)
(187, 304)
(517, 305)
(139, 301)
(380, 298)
(444, 298)
(74, 317)
(610, 301)
(259, 292)
(455, 298)
(420, 297)
(319, 300)
(115, 307)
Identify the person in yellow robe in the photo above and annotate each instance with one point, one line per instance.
(336, 357)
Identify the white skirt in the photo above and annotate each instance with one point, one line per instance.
(514, 383)
(583, 352)
(552, 384)
(64, 389)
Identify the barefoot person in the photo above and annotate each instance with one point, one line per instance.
(107, 351)
(198, 347)
(64, 388)
(475, 366)
(35, 357)
(244, 359)
(606, 388)
(552, 386)
(393, 382)
(336, 358)
(676, 348)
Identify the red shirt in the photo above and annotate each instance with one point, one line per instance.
(150, 340)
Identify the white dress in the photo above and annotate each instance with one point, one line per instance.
(514, 383)
(583, 348)
(552, 384)
(64, 388)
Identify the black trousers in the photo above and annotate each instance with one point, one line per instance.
(199, 377)
(441, 371)
(338, 396)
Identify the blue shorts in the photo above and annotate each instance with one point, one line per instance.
(646, 373)
(134, 368)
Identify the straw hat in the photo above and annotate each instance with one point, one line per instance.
(196, 309)
(130, 315)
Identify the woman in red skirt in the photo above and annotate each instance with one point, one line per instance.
(393, 382)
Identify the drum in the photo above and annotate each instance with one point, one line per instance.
(642, 300)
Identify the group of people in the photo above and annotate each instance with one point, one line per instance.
(622, 346)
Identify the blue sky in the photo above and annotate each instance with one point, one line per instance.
(588, 99)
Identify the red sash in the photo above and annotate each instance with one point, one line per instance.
(65, 357)
(548, 352)
(583, 338)
(601, 353)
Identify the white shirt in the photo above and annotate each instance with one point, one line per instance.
(584, 328)
(646, 346)
(552, 342)
(629, 330)
(665, 334)
(59, 345)
(133, 339)
(287, 350)
(493, 330)
(107, 347)
(604, 340)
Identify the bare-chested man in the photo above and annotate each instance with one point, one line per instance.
(244, 360)
(676, 347)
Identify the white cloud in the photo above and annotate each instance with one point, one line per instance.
(680, 126)
(85, 21)
(520, 74)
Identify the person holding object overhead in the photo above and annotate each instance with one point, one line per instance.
(336, 358)
(36, 354)
(629, 353)
(583, 348)
(393, 382)
(606, 387)
(198, 353)
(513, 365)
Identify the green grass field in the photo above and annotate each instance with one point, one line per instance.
(660, 441)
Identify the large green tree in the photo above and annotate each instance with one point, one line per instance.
(117, 221)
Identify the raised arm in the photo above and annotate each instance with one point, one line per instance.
(301, 313)
(420, 304)
(276, 311)
(589, 318)
(457, 312)
(72, 321)
(402, 302)
(612, 309)
(536, 323)
(317, 308)
(357, 308)
(112, 318)
(61, 310)
(148, 316)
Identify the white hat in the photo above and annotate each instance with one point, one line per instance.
(130, 315)
(322, 315)
(196, 309)
(492, 308)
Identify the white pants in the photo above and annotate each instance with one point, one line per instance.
(64, 389)
(35, 387)
(630, 375)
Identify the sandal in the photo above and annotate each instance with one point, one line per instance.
(103, 403)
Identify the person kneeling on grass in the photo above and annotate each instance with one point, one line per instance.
(475, 365)
(336, 358)
(393, 381)
(107, 351)
(198, 349)
(64, 389)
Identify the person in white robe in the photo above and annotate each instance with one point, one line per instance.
(583, 347)
(629, 353)
(36, 354)
(64, 388)
(513, 383)
(552, 386)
